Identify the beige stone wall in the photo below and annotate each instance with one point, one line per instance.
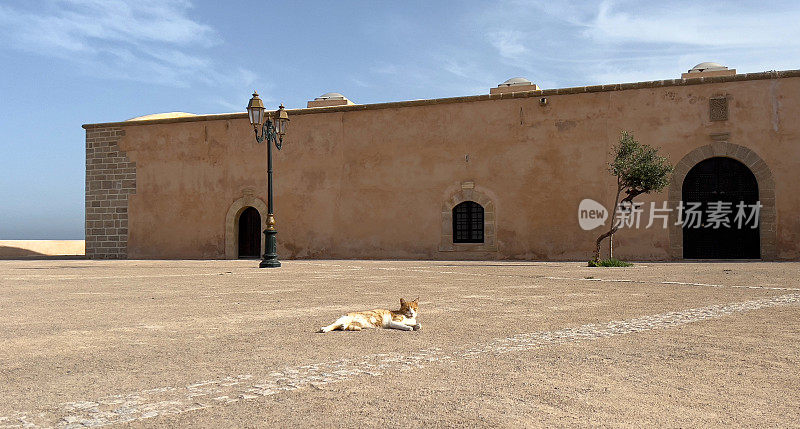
(374, 181)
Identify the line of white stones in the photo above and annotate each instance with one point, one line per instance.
(204, 394)
(665, 282)
(621, 327)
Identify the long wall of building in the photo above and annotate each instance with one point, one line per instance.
(380, 181)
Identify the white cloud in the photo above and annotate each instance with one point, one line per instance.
(153, 41)
(455, 68)
(509, 43)
(385, 68)
(230, 106)
(359, 82)
(586, 42)
(699, 24)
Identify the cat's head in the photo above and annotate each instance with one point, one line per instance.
(409, 308)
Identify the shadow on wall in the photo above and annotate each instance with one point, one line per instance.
(42, 249)
(7, 252)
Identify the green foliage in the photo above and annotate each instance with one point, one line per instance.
(609, 263)
(638, 167)
(639, 170)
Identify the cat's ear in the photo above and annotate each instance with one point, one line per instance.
(416, 300)
(402, 302)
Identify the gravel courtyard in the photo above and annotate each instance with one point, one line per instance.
(224, 343)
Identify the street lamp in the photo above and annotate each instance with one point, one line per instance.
(272, 132)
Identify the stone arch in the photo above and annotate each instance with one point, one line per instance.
(232, 221)
(766, 193)
(467, 191)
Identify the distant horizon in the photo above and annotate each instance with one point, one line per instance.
(72, 62)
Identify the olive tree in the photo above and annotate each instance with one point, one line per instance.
(639, 169)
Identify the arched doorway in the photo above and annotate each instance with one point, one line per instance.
(720, 185)
(249, 233)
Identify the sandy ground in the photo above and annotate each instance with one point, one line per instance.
(225, 344)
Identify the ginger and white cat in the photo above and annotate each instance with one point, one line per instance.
(404, 319)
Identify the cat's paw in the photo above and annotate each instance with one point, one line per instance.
(417, 327)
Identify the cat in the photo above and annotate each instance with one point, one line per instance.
(404, 319)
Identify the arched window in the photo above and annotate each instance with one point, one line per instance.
(468, 223)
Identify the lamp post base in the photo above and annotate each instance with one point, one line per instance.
(270, 259)
(269, 263)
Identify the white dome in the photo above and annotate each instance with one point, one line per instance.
(707, 66)
(331, 96)
(516, 81)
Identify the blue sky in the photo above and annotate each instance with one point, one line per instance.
(64, 63)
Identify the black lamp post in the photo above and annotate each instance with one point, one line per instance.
(272, 132)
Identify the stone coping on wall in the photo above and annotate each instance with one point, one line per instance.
(471, 98)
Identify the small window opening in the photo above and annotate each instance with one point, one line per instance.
(468, 223)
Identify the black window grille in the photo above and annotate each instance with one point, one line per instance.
(468, 223)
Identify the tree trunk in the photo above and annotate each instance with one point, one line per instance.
(600, 241)
(612, 229)
(611, 246)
